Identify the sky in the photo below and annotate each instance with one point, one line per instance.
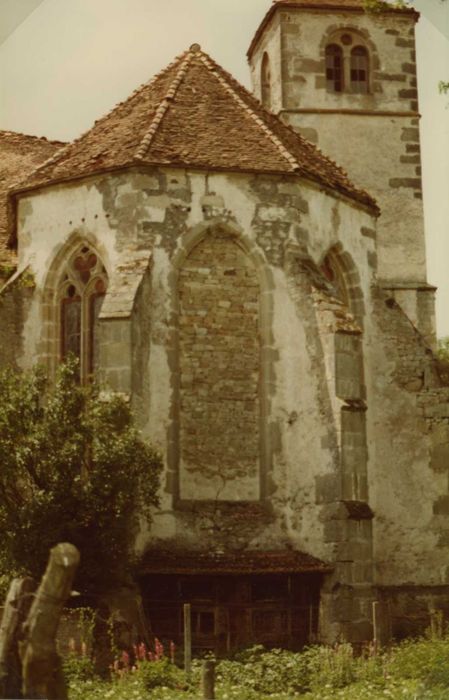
(70, 61)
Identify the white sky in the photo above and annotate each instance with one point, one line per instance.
(70, 61)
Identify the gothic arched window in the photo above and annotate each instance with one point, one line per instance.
(331, 269)
(334, 68)
(81, 293)
(266, 81)
(359, 70)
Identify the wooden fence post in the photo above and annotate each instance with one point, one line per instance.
(187, 639)
(376, 626)
(208, 680)
(41, 665)
(16, 608)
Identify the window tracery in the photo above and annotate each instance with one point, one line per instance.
(80, 297)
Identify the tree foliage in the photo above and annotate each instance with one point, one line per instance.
(73, 468)
(443, 349)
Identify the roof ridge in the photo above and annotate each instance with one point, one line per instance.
(61, 152)
(163, 106)
(212, 66)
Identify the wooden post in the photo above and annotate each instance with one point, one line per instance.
(41, 665)
(376, 625)
(187, 639)
(17, 605)
(208, 680)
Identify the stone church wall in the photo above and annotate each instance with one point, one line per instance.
(140, 223)
(334, 468)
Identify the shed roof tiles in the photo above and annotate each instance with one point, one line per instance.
(193, 114)
(19, 155)
(228, 563)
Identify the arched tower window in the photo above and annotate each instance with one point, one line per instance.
(359, 70)
(334, 68)
(266, 81)
(347, 61)
(80, 297)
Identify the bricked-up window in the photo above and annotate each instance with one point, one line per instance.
(219, 361)
(266, 81)
(334, 68)
(359, 70)
(81, 295)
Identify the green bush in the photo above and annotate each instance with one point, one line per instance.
(425, 660)
(74, 469)
(258, 671)
(161, 673)
(78, 668)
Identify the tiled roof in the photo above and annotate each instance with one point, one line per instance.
(236, 563)
(194, 114)
(332, 4)
(19, 155)
(329, 5)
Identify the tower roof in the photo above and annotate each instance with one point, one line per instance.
(193, 114)
(327, 6)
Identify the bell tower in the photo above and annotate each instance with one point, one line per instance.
(345, 79)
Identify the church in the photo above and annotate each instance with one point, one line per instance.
(249, 270)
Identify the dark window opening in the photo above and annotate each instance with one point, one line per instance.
(197, 588)
(274, 610)
(266, 81)
(269, 588)
(95, 303)
(359, 70)
(71, 324)
(334, 68)
(203, 623)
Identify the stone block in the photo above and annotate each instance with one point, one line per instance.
(410, 134)
(441, 506)
(368, 233)
(409, 182)
(327, 488)
(334, 530)
(409, 68)
(439, 460)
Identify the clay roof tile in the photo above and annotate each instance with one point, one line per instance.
(19, 155)
(193, 114)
